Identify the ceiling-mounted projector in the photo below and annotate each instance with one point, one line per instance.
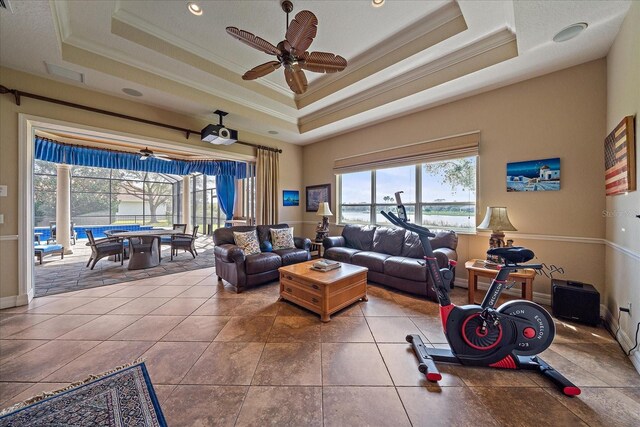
(218, 134)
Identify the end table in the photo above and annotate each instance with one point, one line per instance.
(475, 268)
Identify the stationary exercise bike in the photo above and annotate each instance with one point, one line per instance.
(508, 337)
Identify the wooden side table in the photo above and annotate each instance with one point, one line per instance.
(475, 268)
(316, 247)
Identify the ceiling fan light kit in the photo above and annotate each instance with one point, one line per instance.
(292, 51)
(145, 153)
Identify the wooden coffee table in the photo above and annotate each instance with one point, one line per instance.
(323, 292)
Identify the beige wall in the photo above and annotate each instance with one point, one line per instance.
(557, 115)
(290, 158)
(622, 228)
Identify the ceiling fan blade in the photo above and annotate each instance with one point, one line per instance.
(159, 157)
(322, 62)
(301, 32)
(296, 79)
(253, 41)
(261, 70)
(144, 157)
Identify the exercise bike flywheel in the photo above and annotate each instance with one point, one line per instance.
(476, 337)
(536, 333)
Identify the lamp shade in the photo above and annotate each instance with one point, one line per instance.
(496, 219)
(323, 209)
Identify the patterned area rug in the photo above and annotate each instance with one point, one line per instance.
(123, 398)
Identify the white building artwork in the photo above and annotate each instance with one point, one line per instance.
(548, 174)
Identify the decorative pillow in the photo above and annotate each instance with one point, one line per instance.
(248, 242)
(282, 238)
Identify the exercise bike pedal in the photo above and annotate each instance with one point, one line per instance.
(427, 366)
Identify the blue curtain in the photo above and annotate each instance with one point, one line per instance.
(226, 191)
(56, 152)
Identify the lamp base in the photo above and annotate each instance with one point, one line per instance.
(497, 241)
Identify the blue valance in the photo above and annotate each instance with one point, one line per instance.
(56, 152)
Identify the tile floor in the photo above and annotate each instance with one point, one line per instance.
(220, 358)
(57, 275)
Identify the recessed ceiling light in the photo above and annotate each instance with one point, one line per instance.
(132, 92)
(570, 32)
(377, 3)
(273, 132)
(194, 8)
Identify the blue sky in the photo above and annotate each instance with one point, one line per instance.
(531, 168)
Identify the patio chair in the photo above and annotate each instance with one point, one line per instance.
(103, 248)
(186, 242)
(166, 240)
(52, 233)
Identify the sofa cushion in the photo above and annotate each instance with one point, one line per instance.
(292, 255)
(264, 231)
(445, 239)
(248, 242)
(341, 254)
(374, 261)
(262, 262)
(412, 247)
(405, 268)
(359, 236)
(388, 240)
(282, 238)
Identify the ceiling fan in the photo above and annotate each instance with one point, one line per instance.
(292, 51)
(146, 153)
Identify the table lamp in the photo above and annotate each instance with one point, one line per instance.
(323, 229)
(497, 221)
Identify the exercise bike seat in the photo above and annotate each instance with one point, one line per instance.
(513, 254)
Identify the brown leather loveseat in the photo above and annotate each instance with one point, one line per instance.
(393, 256)
(244, 271)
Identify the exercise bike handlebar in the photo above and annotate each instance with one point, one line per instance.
(411, 227)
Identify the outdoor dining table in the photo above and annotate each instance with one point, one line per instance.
(144, 246)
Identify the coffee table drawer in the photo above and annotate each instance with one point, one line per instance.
(301, 292)
(296, 281)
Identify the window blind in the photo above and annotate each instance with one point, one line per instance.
(457, 146)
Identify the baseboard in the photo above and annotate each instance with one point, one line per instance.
(15, 300)
(625, 341)
(539, 297)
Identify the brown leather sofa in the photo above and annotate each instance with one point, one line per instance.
(393, 256)
(244, 271)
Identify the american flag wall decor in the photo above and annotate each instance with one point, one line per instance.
(620, 158)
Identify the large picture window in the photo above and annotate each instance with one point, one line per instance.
(438, 195)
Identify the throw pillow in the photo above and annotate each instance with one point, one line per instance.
(282, 238)
(248, 242)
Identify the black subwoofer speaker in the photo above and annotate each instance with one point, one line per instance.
(575, 301)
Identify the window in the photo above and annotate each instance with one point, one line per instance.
(438, 195)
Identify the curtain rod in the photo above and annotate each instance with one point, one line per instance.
(18, 94)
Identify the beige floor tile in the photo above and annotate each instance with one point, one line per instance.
(101, 328)
(264, 406)
(403, 367)
(179, 307)
(602, 406)
(256, 307)
(218, 307)
(55, 327)
(197, 328)
(61, 305)
(168, 362)
(362, 406)
(382, 307)
(133, 291)
(294, 363)
(15, 323)
(101, 358)
(140, 306)
(148, 328)
(295, 329)
(391, 329)
(346, 329)
(185, 280)
(10, 349)
(198, 292)
(525, 407)
(41, 362)
(165, 291)
(208, 405)
(571, 332)
(222, 363)
(431, 328)
(100, 306)
(448, 406)
(353, 364)
(246, 329)
(9, 390)
(163, 391)
(33, 390)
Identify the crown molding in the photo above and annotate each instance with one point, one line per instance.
(374, 56)
(146, 27)
(475, 49)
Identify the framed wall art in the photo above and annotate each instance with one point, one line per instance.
(316, 194)
(534, 175)
(291, 198)
(620, 159)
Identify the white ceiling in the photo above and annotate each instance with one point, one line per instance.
(79, 35)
